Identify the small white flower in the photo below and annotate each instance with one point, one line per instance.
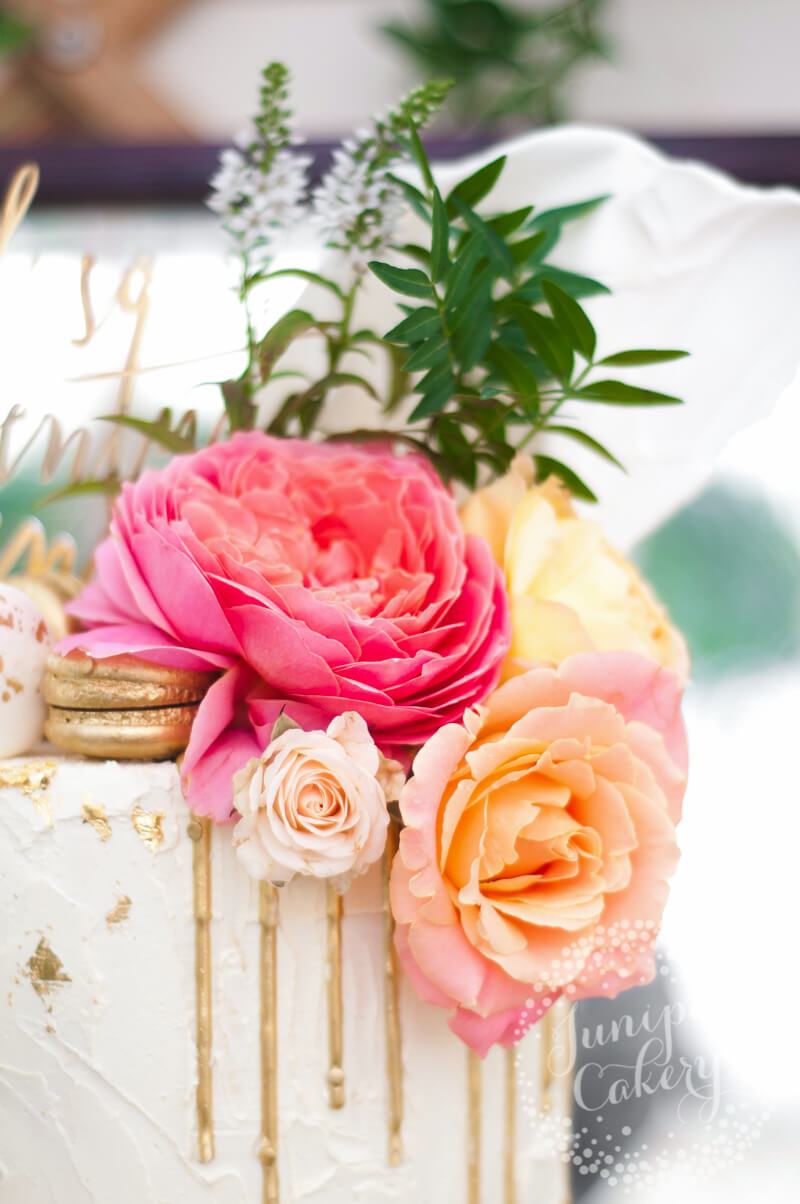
(248, 137)
(315, 804)
(356, 206)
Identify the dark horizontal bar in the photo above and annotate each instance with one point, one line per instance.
(166, 174)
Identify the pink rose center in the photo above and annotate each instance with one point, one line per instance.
(346, 541)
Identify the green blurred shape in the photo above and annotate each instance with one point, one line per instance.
(728, 568)
(507, 60)
(84, 519)
(15, 34)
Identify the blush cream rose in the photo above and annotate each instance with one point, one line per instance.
(539, 839)
(569, 589)
(315, 804)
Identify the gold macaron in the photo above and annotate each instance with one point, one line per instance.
(121, 708)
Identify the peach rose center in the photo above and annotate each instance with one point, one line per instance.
(534, 834)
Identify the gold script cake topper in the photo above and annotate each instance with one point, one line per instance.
(17, 201)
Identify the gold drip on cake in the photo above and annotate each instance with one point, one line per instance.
(199, 832)
(510, 1150)
(335, 1012)
(557, 1075)
(268, 952)
(394, 1052)
(474, 1113)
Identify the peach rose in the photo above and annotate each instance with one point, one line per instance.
(570, 591)
(314, 803)
(539, 840)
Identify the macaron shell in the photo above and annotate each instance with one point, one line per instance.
(98, 694)
(151, 734)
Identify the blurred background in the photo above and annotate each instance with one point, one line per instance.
(717, 78)
(124, 104)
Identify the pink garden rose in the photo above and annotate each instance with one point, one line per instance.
(322, 578)
(539, 841)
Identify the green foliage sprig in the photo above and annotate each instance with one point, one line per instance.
(15, 34)
(493, 350)
(507, 61)
(495, 335)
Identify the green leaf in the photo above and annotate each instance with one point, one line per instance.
(495, 247)
(507, 223)
(434, 378)
(568, 213)
(238, 405)
(515, 371)
(571, 319)
(426, 355)
(159, 431)
(279, 336)
(411, 282)
(110, 486)
(301, 274)
(545, 337)
(414, 251)
(476, 186)
(440, 244)
(473, 333)
(523, 250)
(460, 276)
(419, 325)
(616, 393)
(437, 389)
(577, 286)
(571, 432)
(282, 724)
(456, 449)
(631, 359)
(335, 379)
(415, 198)
(546, 466)
(418, 151)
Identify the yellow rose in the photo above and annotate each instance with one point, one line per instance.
(569, 590)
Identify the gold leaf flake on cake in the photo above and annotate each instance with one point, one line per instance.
(120, 912)
(33, 779)
(46, 970)
(148, 826)
(95, 815)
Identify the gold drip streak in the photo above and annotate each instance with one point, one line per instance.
(199, 831)
(563, 1057)
(335, 1017)
(394, 1053)
(547, 1076)
(509, 1168)
(474, 1110)
(268, 1145)
(556, 1075)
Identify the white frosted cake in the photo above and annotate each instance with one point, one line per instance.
(102, 1092)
